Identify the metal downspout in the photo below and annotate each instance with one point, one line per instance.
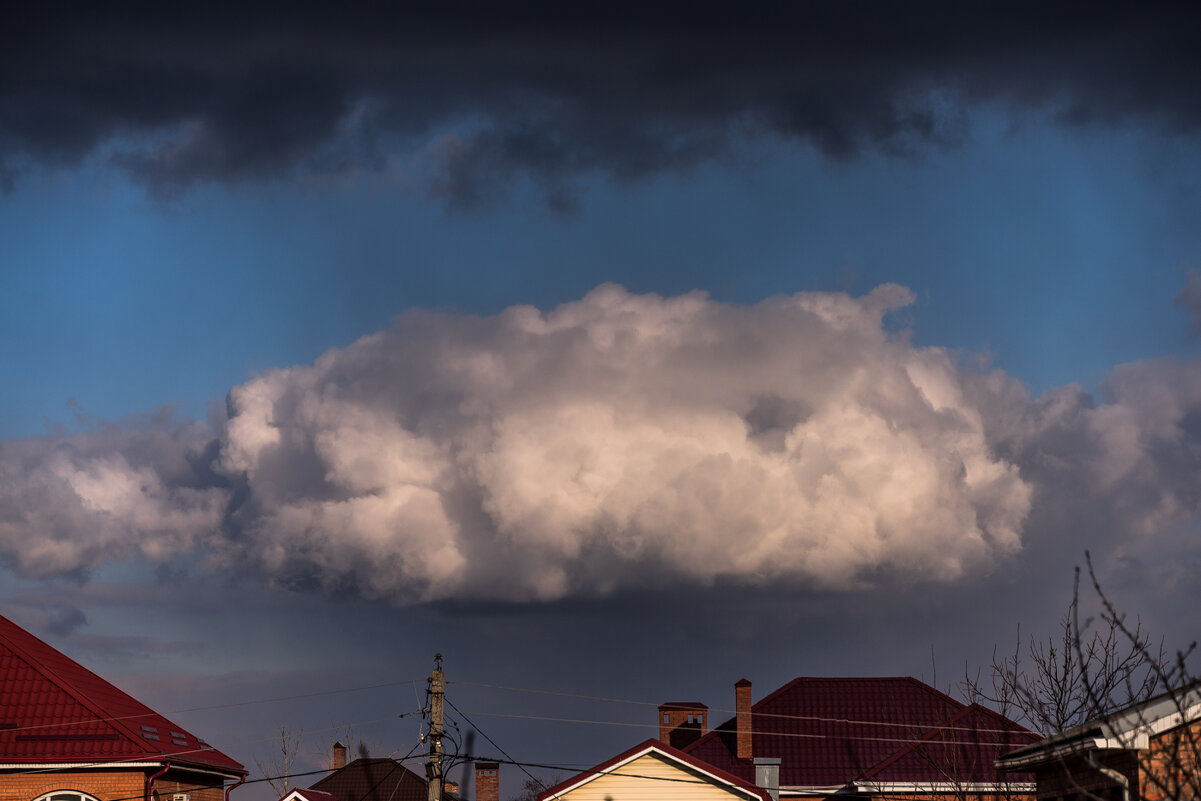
(232, 787)
(150, 779)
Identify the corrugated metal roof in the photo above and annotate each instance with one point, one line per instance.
(55, 710)
(373, 780)
(828, 732)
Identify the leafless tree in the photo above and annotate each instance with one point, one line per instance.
(531, 787)
(1073, 676)
(278, 767)
(1169, 767)
(1142, 708)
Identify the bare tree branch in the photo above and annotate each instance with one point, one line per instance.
(277, 768)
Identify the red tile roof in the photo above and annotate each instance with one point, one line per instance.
(53, 710)
(828, 732)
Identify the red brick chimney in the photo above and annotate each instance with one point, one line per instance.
(339, 758)
(487, 781)
(742, 708)
(682, 723)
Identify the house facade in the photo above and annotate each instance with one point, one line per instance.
(880, 738)
(653, 769)
(68, 735)
(1146, 752)
(386, 779)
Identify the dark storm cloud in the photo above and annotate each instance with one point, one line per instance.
(480, 96)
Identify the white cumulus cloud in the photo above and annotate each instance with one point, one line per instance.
(614, 442)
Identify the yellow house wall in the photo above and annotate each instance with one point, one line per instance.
(651, 777)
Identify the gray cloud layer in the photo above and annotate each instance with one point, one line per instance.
(616, 442)
(473, 97)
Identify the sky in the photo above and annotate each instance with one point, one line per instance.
(612, 352)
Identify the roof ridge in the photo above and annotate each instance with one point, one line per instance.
(930, 688)
(67, 687)
(992, 713)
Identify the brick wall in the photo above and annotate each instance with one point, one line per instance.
(199, 786)
(680, 726)
(743, 726)
(487, 781)
(1171, 767)
(109, 785)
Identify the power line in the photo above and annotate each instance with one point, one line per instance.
(234, 704)
(918, 738)
(294, 697)
(494, 745)
(553, 692)
(780, 715)
(176, 754)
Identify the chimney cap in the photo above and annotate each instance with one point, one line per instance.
(682, 705)
(743, 683)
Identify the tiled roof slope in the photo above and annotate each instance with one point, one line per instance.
(373, 780)
(52, 709)
(829, 732)
(964, 750)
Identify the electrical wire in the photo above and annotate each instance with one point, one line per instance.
(815, 718)
(864, 738)
(175, 754)
(232, 705)
(489, 739)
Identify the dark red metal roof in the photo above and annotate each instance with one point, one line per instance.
(373, 780)
(828, 732)
(52, 709)
(965, 750)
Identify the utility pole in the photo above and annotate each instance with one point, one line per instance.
(433, 766)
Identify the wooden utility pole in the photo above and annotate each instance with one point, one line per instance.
(433, 766)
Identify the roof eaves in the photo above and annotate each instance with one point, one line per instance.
(648, 746)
